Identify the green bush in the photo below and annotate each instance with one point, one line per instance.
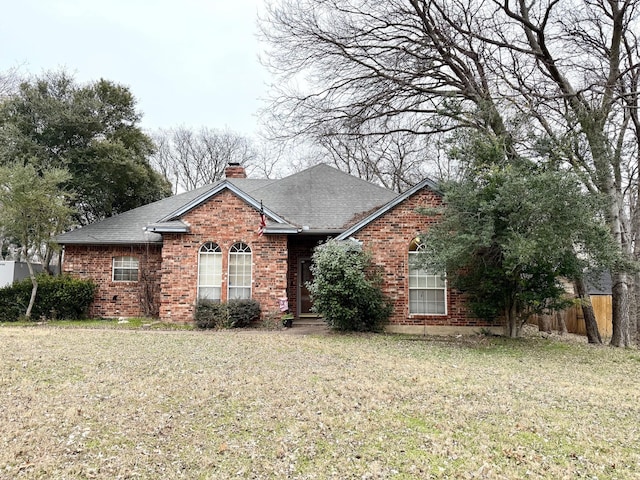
(60, 297)
(210, 314)
(12, 302)
(242, 313)
(233, 314)
(346, 289)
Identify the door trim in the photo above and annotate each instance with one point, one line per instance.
(301, 260)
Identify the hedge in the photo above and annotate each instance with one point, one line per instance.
(60, 297)
(233, 314)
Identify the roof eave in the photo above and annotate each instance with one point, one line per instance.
(165, 228)
(281, 229)
(321, 231)
(110, 242)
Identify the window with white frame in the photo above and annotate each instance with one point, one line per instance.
(125, 269)
(427, 290)
(210, 272)
(239, 271)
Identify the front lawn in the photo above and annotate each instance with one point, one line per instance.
(99, 403)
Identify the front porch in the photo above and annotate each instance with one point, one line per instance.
(300, 248)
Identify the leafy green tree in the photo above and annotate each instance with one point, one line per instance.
(346, 288)
(33, 208)
(90, 130)
(509, 234)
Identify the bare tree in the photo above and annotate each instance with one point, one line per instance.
(395, 161)
(190, 159)
(552, 79)
(9, 81)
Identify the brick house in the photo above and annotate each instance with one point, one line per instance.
(159, 259)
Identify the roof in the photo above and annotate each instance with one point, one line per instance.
(320, 199)
(598, 282)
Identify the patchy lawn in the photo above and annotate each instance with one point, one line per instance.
(95, 403)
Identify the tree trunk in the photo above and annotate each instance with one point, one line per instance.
(620, 310)
(34, 288)
(545, 323)
(512, 323)
(590, 323)
(636, 306)
(561, 317)
(46, 260)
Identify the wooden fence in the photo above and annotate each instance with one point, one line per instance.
(575, 321)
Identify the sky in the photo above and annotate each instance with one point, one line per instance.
(189, 63)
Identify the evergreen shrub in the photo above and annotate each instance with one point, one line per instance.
(242, 313)
(346, 289)
(58, 297)
(233, 314)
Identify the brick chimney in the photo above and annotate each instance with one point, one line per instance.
(235, 170)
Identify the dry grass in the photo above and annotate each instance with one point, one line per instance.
(147, 404)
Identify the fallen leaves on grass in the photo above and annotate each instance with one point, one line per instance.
(127, 404)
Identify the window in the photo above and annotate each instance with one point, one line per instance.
(239, 271)
(210, 272)
(427, 291)
(125, 269)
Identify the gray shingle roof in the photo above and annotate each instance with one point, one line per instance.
(321, 198)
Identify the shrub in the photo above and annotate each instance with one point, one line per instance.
(242, 313)
(210, 314)
(12, 302)
(57, 297)
(346, 289)
(233, 314)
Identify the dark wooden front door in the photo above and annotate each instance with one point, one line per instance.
(304, 276)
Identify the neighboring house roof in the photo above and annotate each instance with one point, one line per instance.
(320, 199)
(598, 283)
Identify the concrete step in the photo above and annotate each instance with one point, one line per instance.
(308, 321)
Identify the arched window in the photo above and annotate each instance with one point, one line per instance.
(239, 271)
(210, 272)
(427, 290)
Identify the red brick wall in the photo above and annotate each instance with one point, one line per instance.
(224, 219)
(117, 299)
(388, 238)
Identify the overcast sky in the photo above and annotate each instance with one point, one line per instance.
(188, 62)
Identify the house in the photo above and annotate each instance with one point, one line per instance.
(161, 258)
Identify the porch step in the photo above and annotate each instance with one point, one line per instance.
(308, 322)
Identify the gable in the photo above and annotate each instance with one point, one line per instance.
(166, 224)
(425, 188)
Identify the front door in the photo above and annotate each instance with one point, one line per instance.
(304, 276)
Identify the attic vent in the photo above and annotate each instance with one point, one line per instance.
(235, 170)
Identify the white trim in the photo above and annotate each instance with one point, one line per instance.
(198, 285)
(125, 268)
(245, 253)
